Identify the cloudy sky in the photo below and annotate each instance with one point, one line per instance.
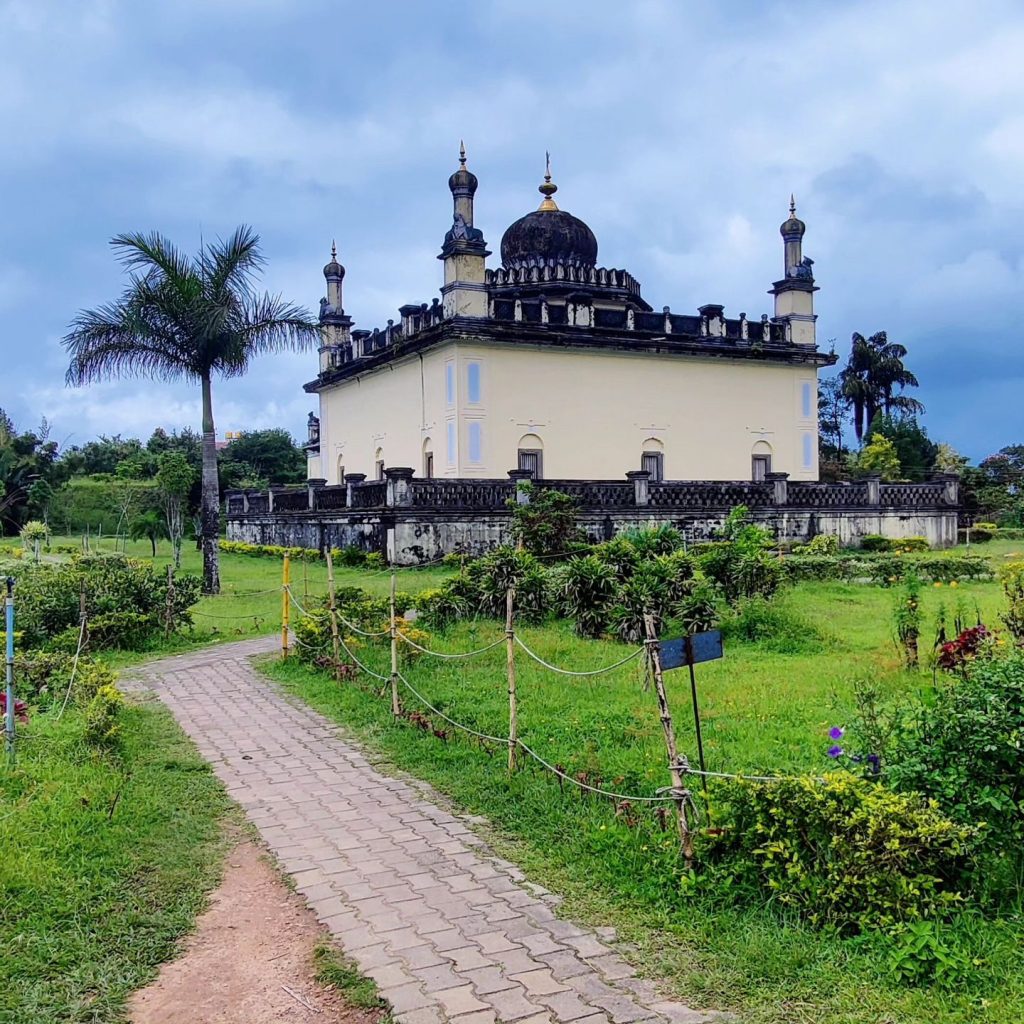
(677, 128)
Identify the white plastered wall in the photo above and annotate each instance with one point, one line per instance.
(593, 411)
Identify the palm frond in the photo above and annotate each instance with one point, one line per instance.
(153, 252)
(231, 264)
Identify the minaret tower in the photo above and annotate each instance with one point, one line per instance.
(335, 326)
(794, 294)
(464, 251)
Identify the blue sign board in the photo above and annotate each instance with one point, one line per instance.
(691, 650)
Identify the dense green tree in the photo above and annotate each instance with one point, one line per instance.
(874, 380)
(879, 455)
(26, 459)
(270, 455)
(915, 450)
(193, 318)
(174, 477)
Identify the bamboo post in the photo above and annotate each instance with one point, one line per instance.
(169, 611)
(333, 608)
(286, 579)
(396, 704)
(9, 726)
(510, 661)
(305, 581)
(685, 835)
(82, 615)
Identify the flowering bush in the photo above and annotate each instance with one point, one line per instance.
(20, 708)
(1012, 579)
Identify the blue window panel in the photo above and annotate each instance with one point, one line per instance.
(475, 442)
(808, 450)
(805, 400)
(451, 443)
(473, 382)
(449, 383)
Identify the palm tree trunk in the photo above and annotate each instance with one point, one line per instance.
(210, 505)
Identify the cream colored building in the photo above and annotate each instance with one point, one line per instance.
(552, 363)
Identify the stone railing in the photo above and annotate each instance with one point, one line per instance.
(401, 489)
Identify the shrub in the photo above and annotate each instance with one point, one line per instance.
(822, 544)
(875, 542)
(698, 610)
(801, 567)
(1012, 579)
(653, 540)
(375, 560)
(505, 567)
(741, 571)
(911, 544)
(126, 597)
(843, 851)
(591, 588)
(102, 714)
(546, 525)
(964, 748)
(620, 555)
(456, 599)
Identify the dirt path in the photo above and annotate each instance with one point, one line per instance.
(256, 938)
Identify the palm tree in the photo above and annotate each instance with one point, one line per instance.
(870, 380)
(188, 317)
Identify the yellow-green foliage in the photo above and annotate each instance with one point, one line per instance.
(1012, 578)
(843, 851)
(102, 714)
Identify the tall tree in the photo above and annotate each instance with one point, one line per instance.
(173, 479)
(874, 380)
(188, 317)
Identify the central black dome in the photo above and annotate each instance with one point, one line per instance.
(548, 236)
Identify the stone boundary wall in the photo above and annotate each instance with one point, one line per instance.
(415, 520)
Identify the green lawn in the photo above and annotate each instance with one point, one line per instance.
(104, 863)
(762, 711)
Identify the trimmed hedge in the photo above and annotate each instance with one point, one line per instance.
(350, 556)
(885, 569)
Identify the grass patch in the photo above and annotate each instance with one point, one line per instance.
(763, 709)
(105, 863)
(337, 971)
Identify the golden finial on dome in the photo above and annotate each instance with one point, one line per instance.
(549, 188)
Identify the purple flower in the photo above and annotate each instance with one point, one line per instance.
(836, 732)
(875, 762)
(835, 751)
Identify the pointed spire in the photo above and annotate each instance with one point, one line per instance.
(549, 188)
(334, 251)
(462, 153)
(792, 205)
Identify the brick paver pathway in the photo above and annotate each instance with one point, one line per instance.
(448, 931)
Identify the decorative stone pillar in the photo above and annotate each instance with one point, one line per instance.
(874, 482)
(245, 502)
(521, 477)
(351, 481)
(780, 483)
(641, 486)
(399, 493)
(313, 484)
(951, 487)
(270, 499)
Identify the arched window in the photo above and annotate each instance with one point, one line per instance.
(531, 455)
(378, 462)
(760, 461)
(652, 458)
(428, 458)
